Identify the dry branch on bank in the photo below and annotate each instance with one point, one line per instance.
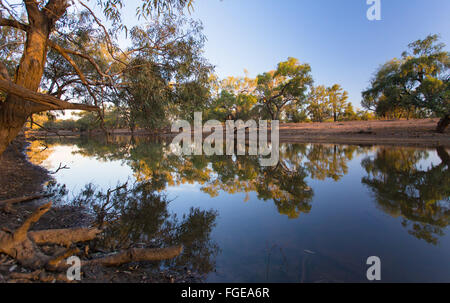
(22, 245)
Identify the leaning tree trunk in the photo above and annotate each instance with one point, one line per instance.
(10, 124)
(443, 123)
(15, 111)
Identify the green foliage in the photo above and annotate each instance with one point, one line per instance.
(416, 84)
(329, 103)
(233, 100)
(286, 94)
(11, 44)
(89, 121)
(318, 104)
(284, 86)
(170, 79)
(338, 101)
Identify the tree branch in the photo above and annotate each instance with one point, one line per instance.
(55, 9)
(14, 23)
(33, 11)
(21, 233)
(64, 236)
(47, 100)
(4, 72)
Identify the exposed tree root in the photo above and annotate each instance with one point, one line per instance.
(22, 245)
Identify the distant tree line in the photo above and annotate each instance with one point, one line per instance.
(415, 86)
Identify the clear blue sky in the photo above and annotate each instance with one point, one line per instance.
(333, 36)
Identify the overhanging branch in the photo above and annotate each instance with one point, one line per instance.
(14, 23)
(47, 100)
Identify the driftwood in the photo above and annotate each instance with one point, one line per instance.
(22, 245)
(138, 255)
(63, 236)
(38, 275)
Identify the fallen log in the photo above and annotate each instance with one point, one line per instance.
(64, 236)
(22, 246)
(137, 255)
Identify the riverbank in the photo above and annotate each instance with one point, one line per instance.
(396, 132)
(19, 178)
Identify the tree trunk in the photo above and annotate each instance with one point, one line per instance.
(443, 123)
(276, 115)
(11, 123)
(15, 111)
(442, 153)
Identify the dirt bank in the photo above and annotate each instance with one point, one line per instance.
(19, 178)
(398, 132)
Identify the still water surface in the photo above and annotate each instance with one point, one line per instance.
(316, 217)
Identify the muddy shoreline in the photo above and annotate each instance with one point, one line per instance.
(18, 178)
(418, 133)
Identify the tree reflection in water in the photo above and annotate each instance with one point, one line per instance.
(285, 183)
(402, 188)
(138, 216)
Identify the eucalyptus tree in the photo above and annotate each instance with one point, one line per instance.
(168, 77)
(55, 25)
(337, 98)
(420, 79)
(286, 85)
(318, 104)
(234, 99)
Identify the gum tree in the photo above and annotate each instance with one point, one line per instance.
(284, 86)
(420, 79)
(338, 100)
(318, 104)
(52, 26)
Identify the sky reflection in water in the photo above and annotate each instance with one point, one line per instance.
(316, 217)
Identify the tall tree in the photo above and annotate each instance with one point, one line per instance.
(318, 104)
(285, 85)
(234, 99)
(338, 100)
(46, 25)
(420, 78)
(168, 77)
